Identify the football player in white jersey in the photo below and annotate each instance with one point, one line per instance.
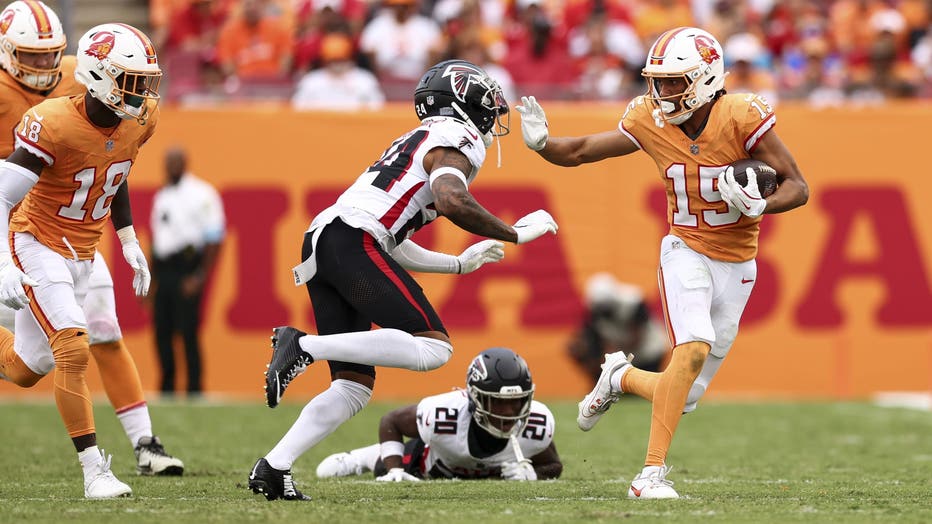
(464, 434)
(357, 252)
(693, 131)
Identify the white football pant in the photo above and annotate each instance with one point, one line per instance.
(703, 301)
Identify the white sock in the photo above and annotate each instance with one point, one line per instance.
(367, 456)
(615, 380)
(89, 458)
(649, 470)
(319, 418)
(391, 348)
(136, 423)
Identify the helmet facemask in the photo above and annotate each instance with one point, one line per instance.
(493, 409)
(132, 92)
(676, 108)
(35, 77)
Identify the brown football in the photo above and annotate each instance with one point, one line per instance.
(766, 175)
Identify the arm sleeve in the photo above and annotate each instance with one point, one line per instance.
(415, 258)
(15, 182)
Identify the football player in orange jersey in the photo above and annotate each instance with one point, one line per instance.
(31, 45)
(692, 130)
(66, 176)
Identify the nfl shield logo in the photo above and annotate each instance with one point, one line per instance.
(109, 145)
(694, 149)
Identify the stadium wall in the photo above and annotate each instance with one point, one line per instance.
(842, 306)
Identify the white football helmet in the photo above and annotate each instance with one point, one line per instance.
(28, 28)
(118, 65)
(692, 54)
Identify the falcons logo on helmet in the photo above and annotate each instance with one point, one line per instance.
(477, 370)
(461, 77)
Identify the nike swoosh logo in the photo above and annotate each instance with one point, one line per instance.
(37, 117)
(747, 280)
(252, 474)
(637, 492)
(473, 135)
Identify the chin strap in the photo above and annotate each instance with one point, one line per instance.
(667, 107)
(498, 146)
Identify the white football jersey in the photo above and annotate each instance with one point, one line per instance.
(392, 198)
(443, 424)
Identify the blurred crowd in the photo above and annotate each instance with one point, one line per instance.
(356, 54)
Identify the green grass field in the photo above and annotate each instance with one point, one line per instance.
(845, 462)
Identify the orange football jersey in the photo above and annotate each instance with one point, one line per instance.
(70, 203)
(690, 169)
(16, 99)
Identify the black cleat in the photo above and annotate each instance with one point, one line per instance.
(273, 483)
(288, 361)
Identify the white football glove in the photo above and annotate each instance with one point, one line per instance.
(480, 253)
(12, 284)
(747, 199)
(137, 260)
(533, 123)
(535, 224)
(518, 470)
(397, 475)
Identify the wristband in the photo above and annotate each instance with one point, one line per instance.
(127, 234)
(391, 448)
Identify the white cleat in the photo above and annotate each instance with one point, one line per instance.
(339, 465)
(601, 397)
(652, 483)
(101, 483)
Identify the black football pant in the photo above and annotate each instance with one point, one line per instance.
(174, 313)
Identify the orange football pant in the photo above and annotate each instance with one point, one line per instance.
(119, 375)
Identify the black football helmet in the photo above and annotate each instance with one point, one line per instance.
(495, 376)
(461, 90)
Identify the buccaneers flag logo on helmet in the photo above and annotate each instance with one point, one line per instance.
(706, 50)
(5, 20)
(100, 45)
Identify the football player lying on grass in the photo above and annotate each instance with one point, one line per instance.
(484, 431)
